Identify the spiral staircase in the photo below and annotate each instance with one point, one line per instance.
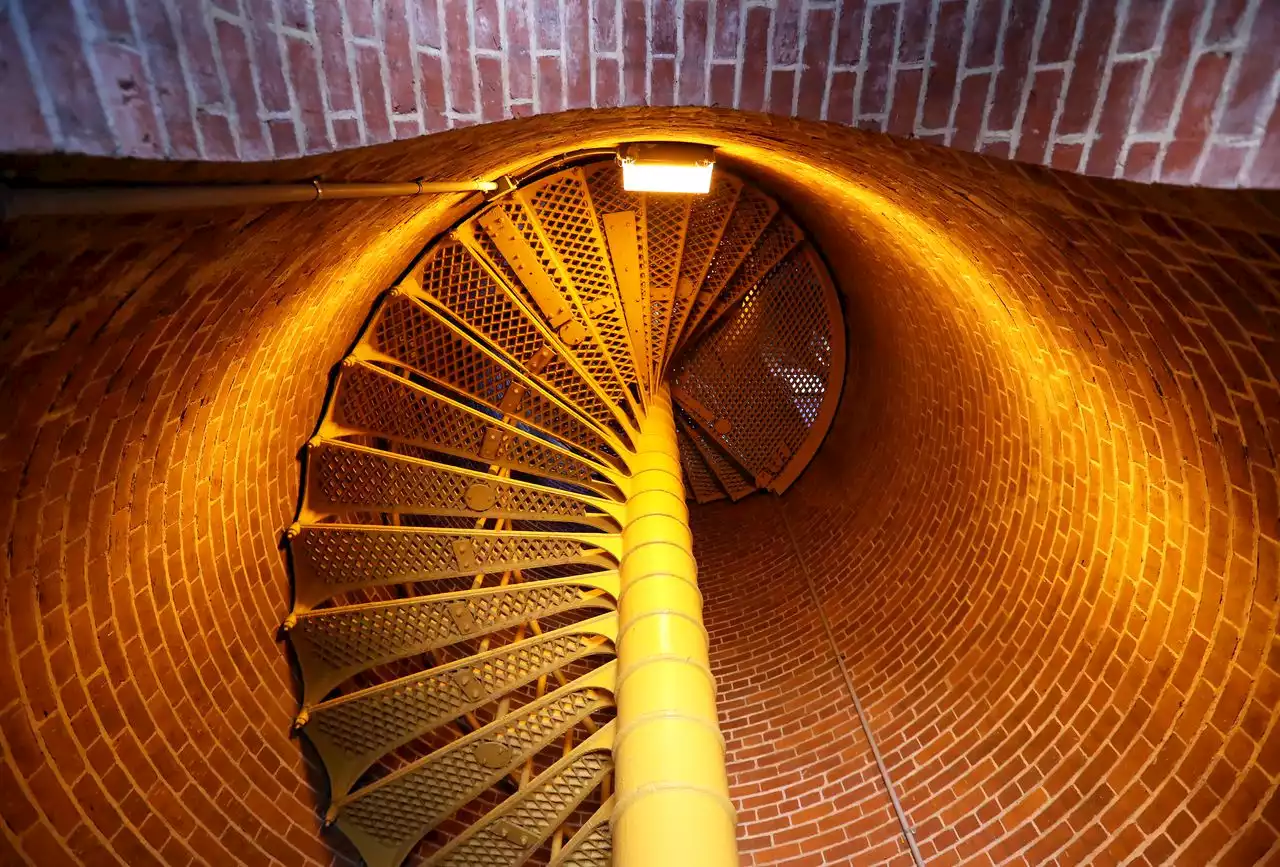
(466, 545)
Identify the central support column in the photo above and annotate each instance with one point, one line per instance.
(672, 807)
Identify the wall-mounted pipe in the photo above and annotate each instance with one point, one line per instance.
(55, 201)
(908, 830)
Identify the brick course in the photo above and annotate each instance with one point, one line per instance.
(1183, 91)
(1045, 525)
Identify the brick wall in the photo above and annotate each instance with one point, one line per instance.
(1182, 91)
(160, 376)
(1044, 527)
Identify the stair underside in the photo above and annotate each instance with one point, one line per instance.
(455, 557)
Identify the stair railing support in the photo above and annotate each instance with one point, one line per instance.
(673, 807)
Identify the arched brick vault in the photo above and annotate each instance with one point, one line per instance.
(1044, 528)
(1183, 91)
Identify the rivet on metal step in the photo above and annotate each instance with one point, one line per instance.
(470, 685)
(513, 832)
(599, 306)
(464, 553)
(492, 444)
(573, 332)
(541, 359)
(722, 426)
(513, 398)
(480, 497)
(462, 617)
(781, 454)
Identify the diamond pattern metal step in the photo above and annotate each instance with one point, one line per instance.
(353, 731)
(509, 834)
(456, 550)
(730, 478)
(334, 644)
(701, 483)
(787, 339)
(592, 845)
(347, 478)
(456, 276)
(386, 818)
(409, 333)
(372, 401)
(330, 558)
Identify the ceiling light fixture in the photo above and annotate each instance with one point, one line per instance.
(666, 167)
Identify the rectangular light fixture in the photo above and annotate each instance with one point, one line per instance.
(666, 167)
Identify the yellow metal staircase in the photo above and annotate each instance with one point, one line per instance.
(496, 617)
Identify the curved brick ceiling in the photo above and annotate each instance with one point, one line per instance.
(1044, 529)
(1182, 91)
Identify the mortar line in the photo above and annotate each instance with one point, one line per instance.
(26, 48)
(412, 24)
(802, 44)
(1149, 57)
(930, 34)
(825, 109)
(144, 57)
(1188, 76)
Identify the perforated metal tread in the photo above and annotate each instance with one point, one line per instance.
(331, 558)
(592, 846)
(394, 812)
(778, 239)
(410, 333)
(347, 478)
(510, 833)
(751, 214)
(698, 478)
(787, 339)
(730, 478)
(372, 401)
(456, 548)
(355, 730)
(661, 224)
(456, 276)
(334, 644)
(708, 220)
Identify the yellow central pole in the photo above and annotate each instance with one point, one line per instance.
(672, 805)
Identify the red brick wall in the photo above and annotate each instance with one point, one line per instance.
(1045, 526)
(1182, 91)
(160, 375)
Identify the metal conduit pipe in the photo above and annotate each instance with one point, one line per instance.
(908, 830)
(672, 805)
(51, 201)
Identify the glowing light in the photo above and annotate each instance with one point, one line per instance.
(665, 167)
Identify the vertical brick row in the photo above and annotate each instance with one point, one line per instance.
(819, 32)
